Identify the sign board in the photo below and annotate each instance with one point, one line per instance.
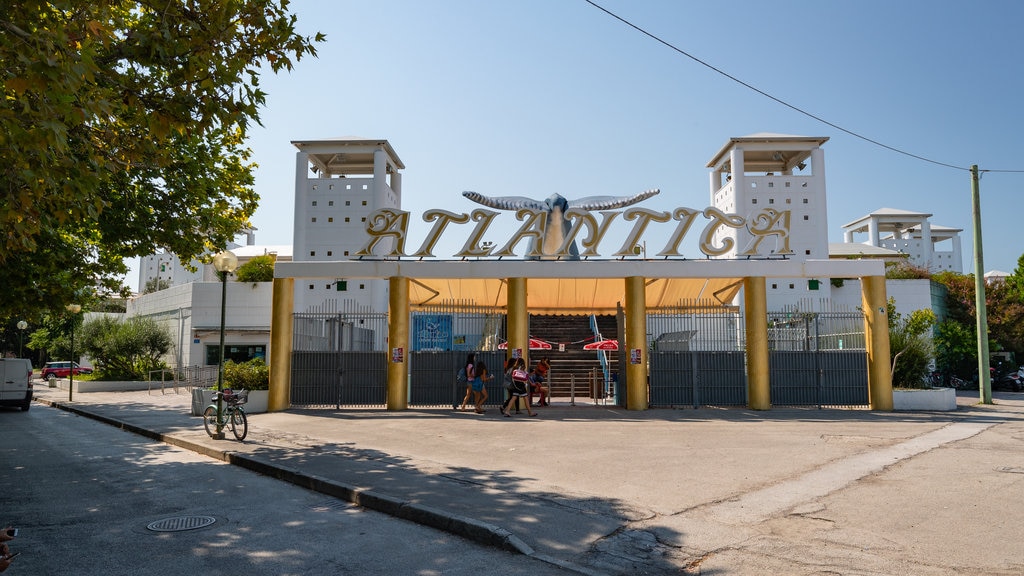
(431, 332)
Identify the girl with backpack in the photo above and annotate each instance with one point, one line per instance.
(470, 374)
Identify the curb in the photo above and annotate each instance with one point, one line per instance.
(470, 528)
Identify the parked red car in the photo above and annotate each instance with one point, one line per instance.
(54, 370)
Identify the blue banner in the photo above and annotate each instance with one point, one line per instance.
(432, 332)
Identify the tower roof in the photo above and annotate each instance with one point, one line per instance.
(768, 152)
(347, 154)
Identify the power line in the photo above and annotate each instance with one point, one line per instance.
(779, 100)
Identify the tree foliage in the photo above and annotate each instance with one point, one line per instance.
(123, 129)
(251, 375)
(125, 350)
(910, 345)
(257, 269)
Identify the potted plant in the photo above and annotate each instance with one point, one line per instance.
(254, 376)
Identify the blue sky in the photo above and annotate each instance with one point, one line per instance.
(534, 97)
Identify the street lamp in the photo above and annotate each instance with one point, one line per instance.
(74, 309)
(21, 338)
(225, 263)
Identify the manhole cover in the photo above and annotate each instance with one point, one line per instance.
(181, 523)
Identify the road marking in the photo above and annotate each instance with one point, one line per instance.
(762, 504)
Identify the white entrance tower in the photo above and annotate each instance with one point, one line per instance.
(338, 183)
(787, 174)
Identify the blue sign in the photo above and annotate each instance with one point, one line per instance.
(431, 332)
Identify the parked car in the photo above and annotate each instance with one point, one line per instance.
(54, 370)
(16, 382)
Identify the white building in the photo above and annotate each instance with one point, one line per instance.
(934, 248)
(338, 183)
(785, 173)
(189, 310)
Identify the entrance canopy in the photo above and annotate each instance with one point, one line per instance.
(593, 286)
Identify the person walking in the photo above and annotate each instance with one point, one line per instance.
(519, 388)
(470, 370)
(479, 386)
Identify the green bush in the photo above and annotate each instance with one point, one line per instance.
(257, 269)
(251, 375)
(910, 347)
(125, 349)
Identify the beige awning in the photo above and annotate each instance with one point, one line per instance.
(591, 295)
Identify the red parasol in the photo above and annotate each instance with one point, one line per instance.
(602, 345)
(535, 344)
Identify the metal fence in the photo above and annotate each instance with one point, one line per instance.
(696, 356)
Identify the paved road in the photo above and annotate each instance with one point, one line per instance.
(83, 495)
(599, 490)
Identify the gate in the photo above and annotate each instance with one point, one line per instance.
(432, 377)
(817, 359)
(339, 358)
(697, 357)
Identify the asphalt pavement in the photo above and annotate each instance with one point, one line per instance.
(597, 489)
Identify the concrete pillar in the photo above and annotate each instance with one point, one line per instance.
(927, 247)
(958, 259)
(876, 332)
(281, 328)
(518, 320)
(739, 188)
(396, 186)
(637, 394)
(380, 178)
(873, 235)
(518, 323)
(398, 344)
(755, 302)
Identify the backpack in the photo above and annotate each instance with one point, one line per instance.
(461, 376)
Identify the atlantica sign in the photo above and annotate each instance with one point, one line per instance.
(551, 233)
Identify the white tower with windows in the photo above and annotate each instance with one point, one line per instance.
(787, 174)
(338, 183)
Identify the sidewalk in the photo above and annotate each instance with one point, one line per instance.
(600, 490)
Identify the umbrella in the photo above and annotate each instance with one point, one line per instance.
(602, 345)
(535, 344)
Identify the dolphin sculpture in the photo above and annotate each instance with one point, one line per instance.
(558, 225)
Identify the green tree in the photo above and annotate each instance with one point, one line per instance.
(53, 337)
(910, 345)
(156, 285)
(257, 269)
(125, 349)
(122, 131)
(956, 348)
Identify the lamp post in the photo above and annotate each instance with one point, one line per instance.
(74, 309)
(21, 337)
(225, 263)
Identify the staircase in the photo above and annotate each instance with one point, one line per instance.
(573, 332)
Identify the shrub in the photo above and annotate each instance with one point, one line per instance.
(251, 375)
(125, 350)
(257, 269)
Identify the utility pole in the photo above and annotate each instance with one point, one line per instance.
(984, 376)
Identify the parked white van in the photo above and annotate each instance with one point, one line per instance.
(16, 382)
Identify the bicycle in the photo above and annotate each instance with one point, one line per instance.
(231, 415)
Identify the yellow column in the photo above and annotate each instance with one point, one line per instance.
(758, 382)
(518, 322)
(637, 397)
(876, 332)
(398, 344)
(281, 328)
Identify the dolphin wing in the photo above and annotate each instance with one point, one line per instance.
(610, 202)
(506, 202)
